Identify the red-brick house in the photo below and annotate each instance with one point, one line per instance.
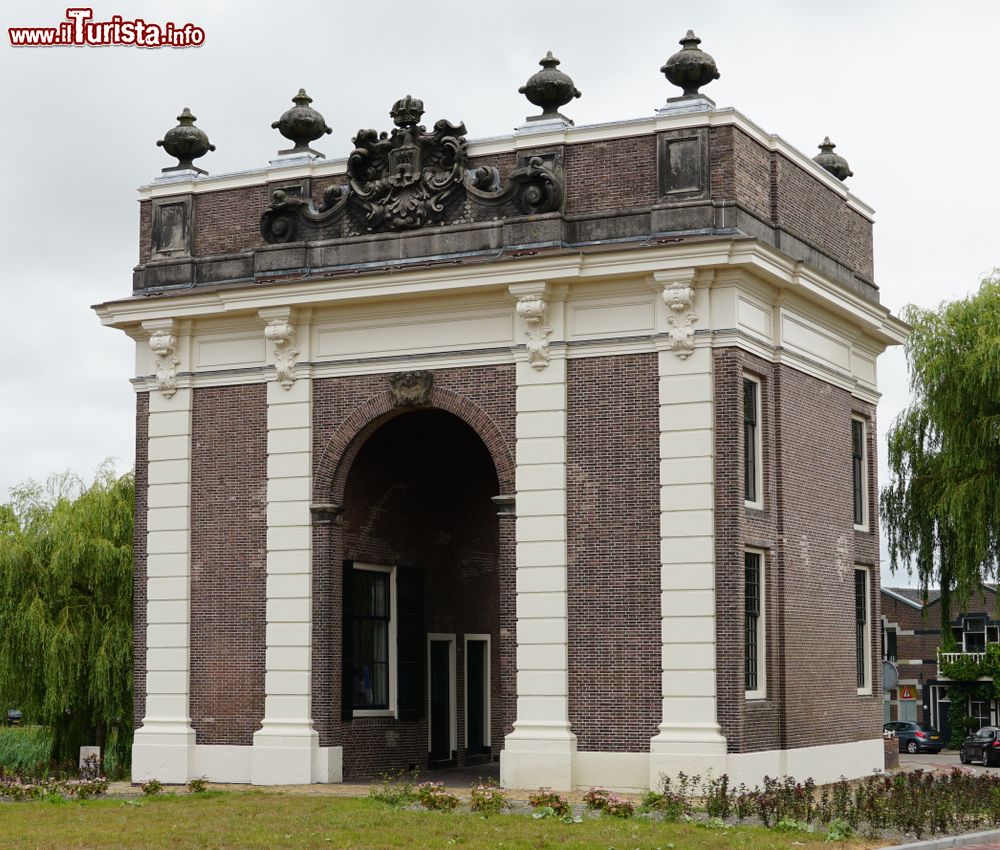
(911, 638)
(557, 448)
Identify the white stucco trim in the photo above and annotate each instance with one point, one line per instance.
(540, 749)
(637, 772)
(162, 744)
(689, 729)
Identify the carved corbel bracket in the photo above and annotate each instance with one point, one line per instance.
(280, 332)
(534, 310)
(678, 295)
(163, 344)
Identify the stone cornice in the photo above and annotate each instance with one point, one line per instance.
(763, 261)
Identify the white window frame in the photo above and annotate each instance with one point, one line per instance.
(967, 631)
(393, 709)
(757, 504)
(487, 718)
(863, 525)
(761, 691)
(452, 689)
(867, 648)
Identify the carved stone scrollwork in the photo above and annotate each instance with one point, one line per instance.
(412, 178)
(411, 388)
(281, 333)
(163, 344)
(679, 298)
(534, 311)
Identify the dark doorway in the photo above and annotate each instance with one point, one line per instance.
(476, 695)
(441, 719)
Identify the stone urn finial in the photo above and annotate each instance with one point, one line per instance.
(301, 124)
(549, 89)
(833, 162)
(186, 142)
(690, 68)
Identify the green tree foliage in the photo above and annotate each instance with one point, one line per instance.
(66, 609)
(941, 508)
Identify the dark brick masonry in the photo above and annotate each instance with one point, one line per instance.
(228, 562)
(613, 510)
(806, 530)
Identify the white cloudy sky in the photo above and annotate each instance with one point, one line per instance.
(908, 90)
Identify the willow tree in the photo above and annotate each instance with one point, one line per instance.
(66, 609)
(941, 508)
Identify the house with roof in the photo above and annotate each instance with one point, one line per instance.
(555, 449)
(912, 639)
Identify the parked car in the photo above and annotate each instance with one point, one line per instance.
(984, 746)
(915, 737)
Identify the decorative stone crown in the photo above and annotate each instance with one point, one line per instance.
(301, 124)
(549, 89)
(186, 142)
(832, 162)
(407, 111)
(690, 68)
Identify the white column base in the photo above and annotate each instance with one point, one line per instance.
(290, 754)
(694, 748)
(162, 751)
(538, 756)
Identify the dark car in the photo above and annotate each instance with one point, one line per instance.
(984, 746)
(915, 737)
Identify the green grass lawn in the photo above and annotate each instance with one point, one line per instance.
(258, 819)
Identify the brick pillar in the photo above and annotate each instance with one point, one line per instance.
(286, 748)
(540, 750)
(164, 743)
(690, 738)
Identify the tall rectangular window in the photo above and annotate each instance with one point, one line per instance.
(862, 632)
(753, 620)
(860, 464)
(372, 639)
(751, 443)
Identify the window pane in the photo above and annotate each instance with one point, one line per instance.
(857, 441)
(370, 635)
(750, 458)
(371, 593)
(861, 624)
(752, 654)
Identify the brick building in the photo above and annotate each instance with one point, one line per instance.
(557, 448)
(911, 638)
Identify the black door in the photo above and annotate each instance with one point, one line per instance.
(476, 700)
(440, 703)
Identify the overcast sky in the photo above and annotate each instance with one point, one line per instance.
(907, 90)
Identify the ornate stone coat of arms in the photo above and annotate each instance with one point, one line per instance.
(411, 178)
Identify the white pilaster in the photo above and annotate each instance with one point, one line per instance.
(286, 748)
(689, 738)
(540, 750)
(163, 744)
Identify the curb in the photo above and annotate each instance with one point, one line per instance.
(951, 841)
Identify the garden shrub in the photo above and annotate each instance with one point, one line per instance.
(25, 749)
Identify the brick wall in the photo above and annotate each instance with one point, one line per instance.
(611, 175)
(139, 558)
(228, 562)
(811, 548)
(920, 646)
(418, 493)
(613, 506)
(614, 175)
